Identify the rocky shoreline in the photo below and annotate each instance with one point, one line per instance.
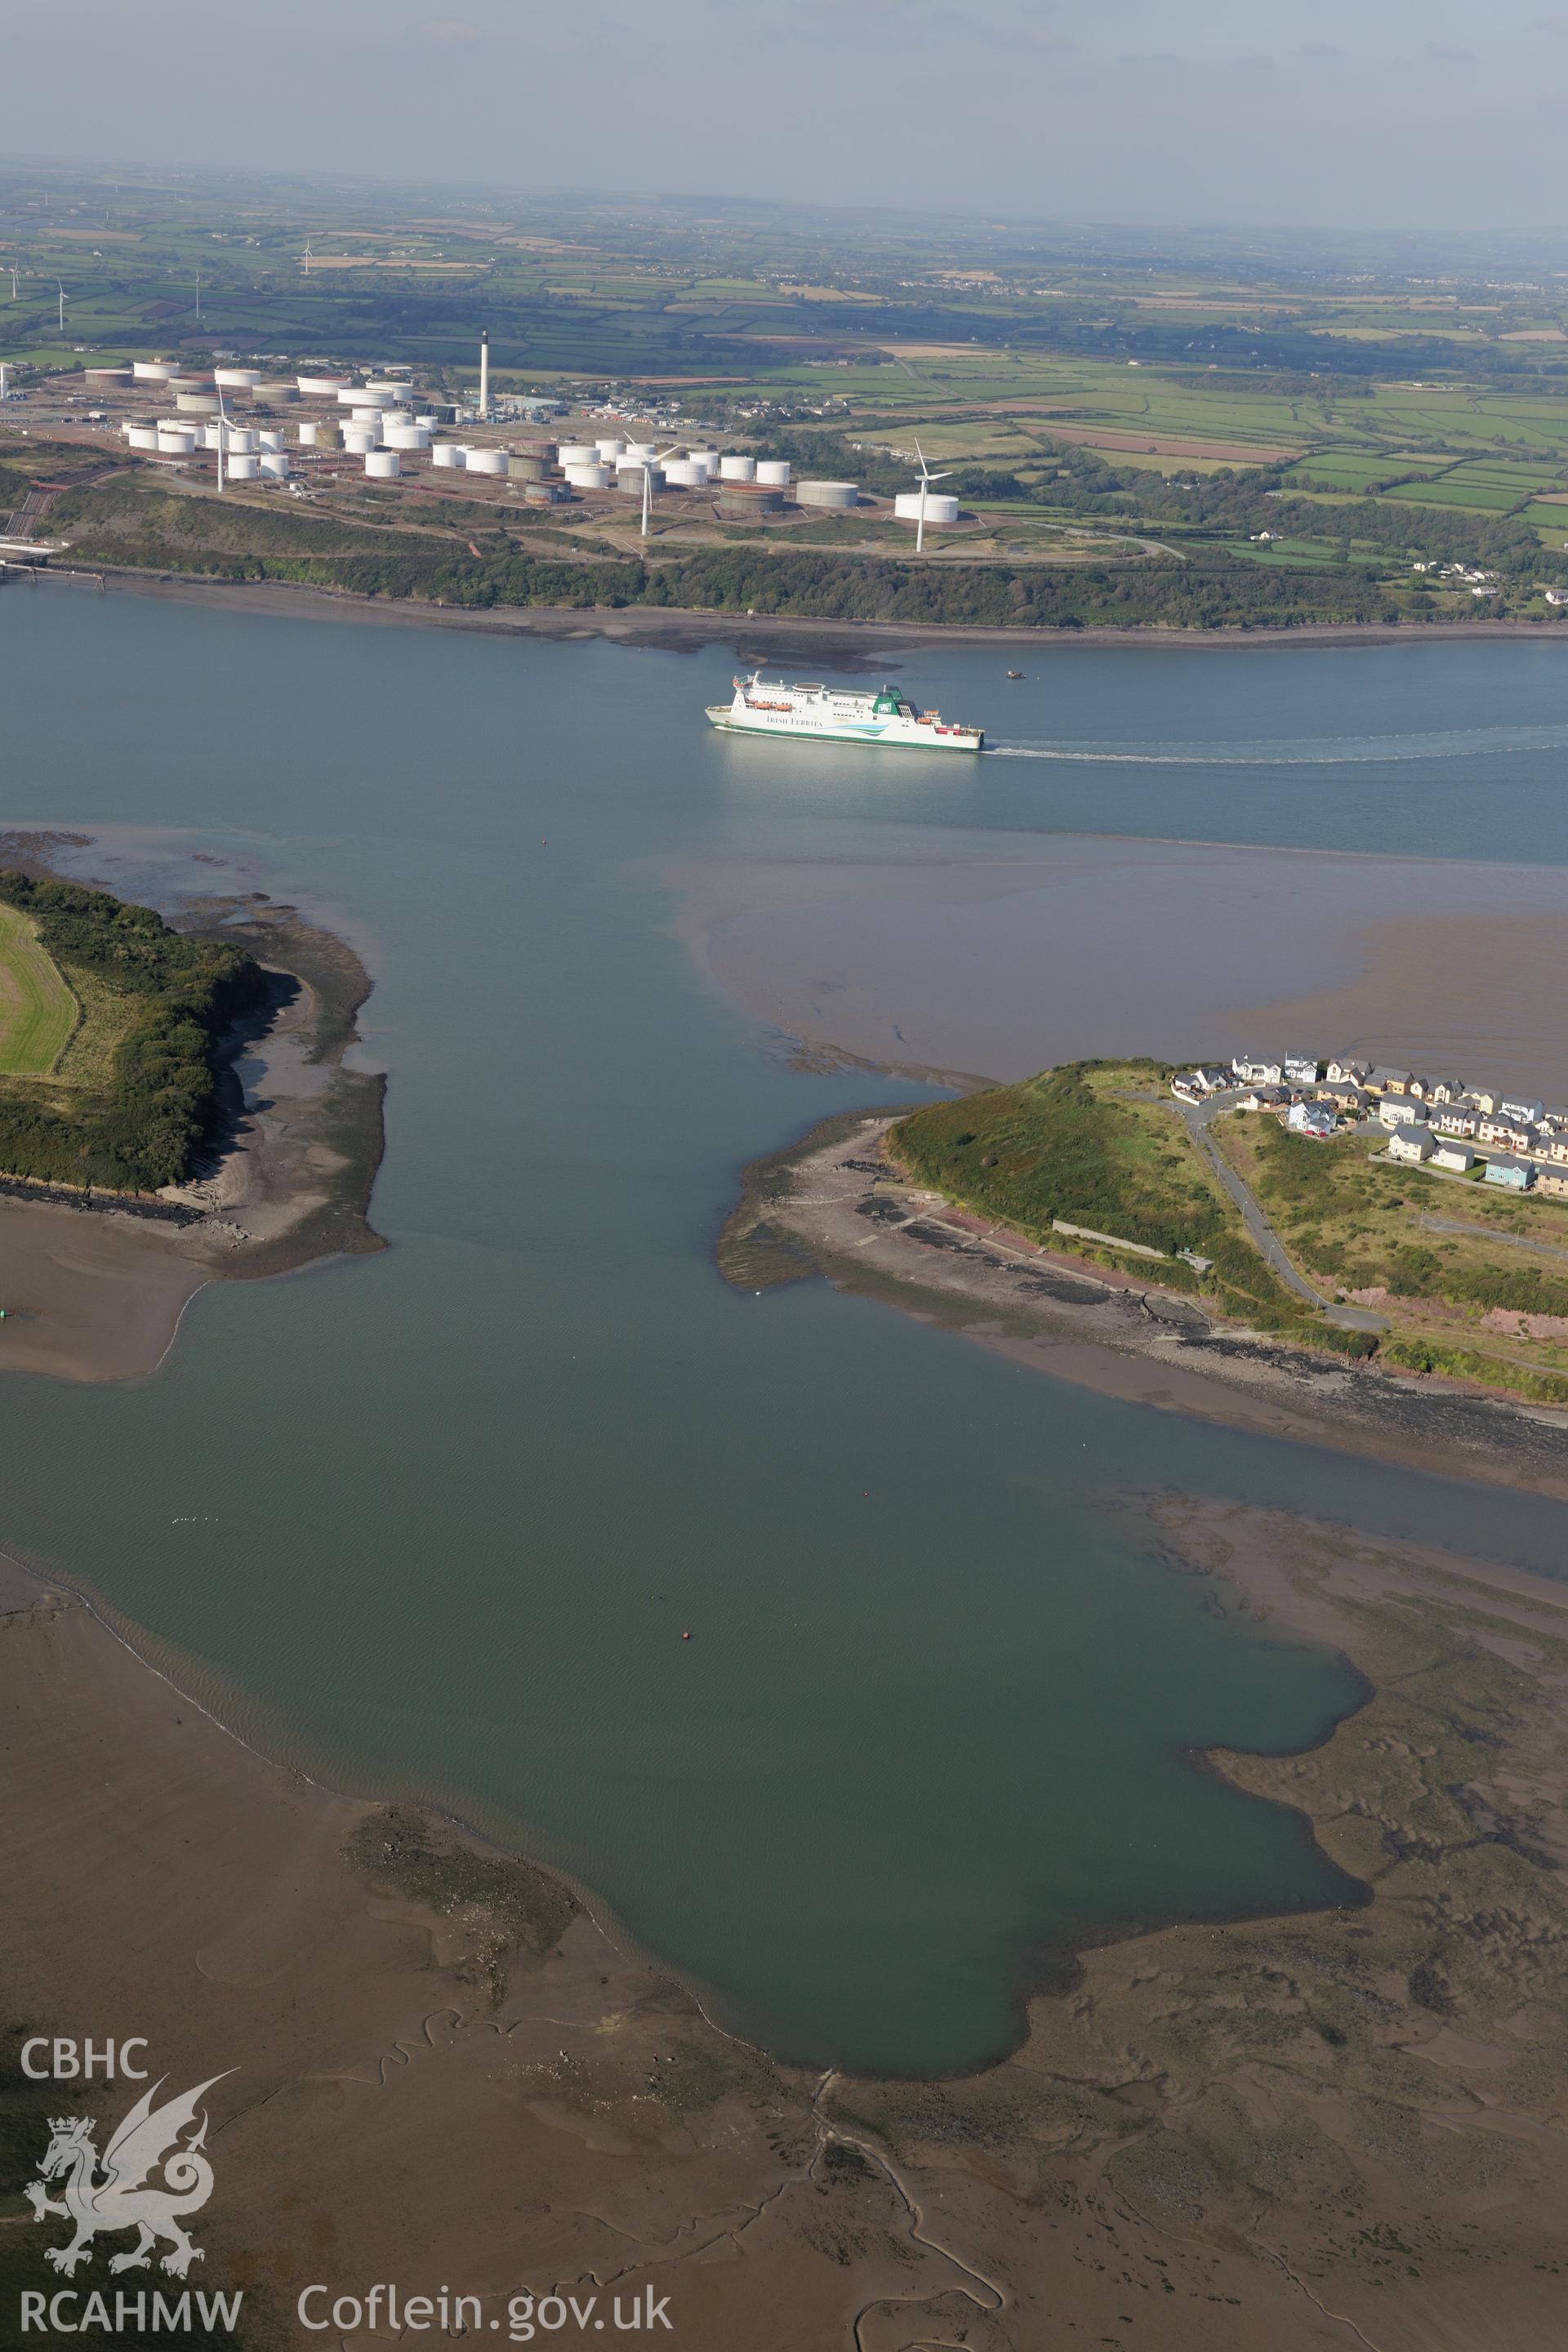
(830, 1204)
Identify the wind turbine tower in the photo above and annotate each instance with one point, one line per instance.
(305, 257)
(11, 268)
(62, 306)
(927, 478)
(649, 465)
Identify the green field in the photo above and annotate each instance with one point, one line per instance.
(38, 1011)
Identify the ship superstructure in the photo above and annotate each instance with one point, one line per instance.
(832, 714)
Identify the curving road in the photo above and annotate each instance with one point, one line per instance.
(1200, 1117)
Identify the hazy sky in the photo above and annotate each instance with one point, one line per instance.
(1399, 112)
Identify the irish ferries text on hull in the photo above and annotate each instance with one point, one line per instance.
(776, 707)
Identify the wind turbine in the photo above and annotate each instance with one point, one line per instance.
(647, 466)
(198, 297)
(927, 478)
(305, 257)
(11, 268)
(222, 431)
(62, 306)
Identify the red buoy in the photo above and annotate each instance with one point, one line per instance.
(686, 1636)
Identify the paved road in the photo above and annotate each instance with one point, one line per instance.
(1199, 1118)
(1492, 1234)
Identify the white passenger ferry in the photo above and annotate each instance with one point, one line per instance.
(825, 714)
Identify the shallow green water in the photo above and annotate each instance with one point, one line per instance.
(436, 1521)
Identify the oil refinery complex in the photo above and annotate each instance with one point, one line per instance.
(242, 425)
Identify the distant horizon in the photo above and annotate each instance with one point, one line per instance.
(1417, 115)
(169, 171)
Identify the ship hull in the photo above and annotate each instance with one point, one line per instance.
(875, 736)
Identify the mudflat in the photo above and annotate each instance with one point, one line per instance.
(1268, 2132)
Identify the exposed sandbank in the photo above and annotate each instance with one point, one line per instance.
(927, 948)
(1221, 2129)
(95, 1293)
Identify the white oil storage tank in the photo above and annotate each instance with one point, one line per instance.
(106, 379)
(736, 469)
(382, 464)
(242, 468)
(176, 440)
(141, 437)
(236, 379)
(684, 474)
(609, 447)
(242, 438)
(826, 494)
(269, 438)
(447, 453)
(404, 437)
(578, 453)
(940, 508)
(196, 404)
(487, 461)
(153, 371)
(638, 450)
(275, 463)
(359, 439)
(775, 471)
(321, 387)
(588, 477)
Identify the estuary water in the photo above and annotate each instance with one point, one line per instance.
(436, 1522)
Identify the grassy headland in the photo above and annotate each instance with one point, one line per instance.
(130, 1099)
(1099, 1145)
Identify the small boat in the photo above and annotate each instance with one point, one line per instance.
(1014, 673)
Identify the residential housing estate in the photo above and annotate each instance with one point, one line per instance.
(1480, 1132)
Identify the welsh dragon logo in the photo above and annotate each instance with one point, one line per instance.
(124, 2195)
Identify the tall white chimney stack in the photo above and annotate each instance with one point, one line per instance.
(485, 374)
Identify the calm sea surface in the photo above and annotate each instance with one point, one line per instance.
(435, 1522)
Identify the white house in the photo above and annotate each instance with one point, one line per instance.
(1349, 1074)
(1258, 1073)
(1302, 1070)
(1399, 1110)
(1311, 1119)
(1414, 1143)
(1456, 1158)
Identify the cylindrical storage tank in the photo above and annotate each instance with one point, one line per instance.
(828, 494)
(404, 437)
(178, 384)
(236, 379)
(153, 371)
(176, 442)
(242, 438)
(588, 477)
(309, 432)
(278, 395)
(143, 436)
(525, 469)
(736, 469)
(640, 449)
(269, 438)
(681, 474)
(359, 439)
(106, 378)
(320, 387)
(743, 501)
(487, 461)
(275, 462)
(940, 508)
(629, 477)
(609, 447)
(197, 404)
(367, 416)
(382, 464)
(775, 471)
(447, 453)
(399, 390)
(578, 453)
(240, 466)
(211, 435)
